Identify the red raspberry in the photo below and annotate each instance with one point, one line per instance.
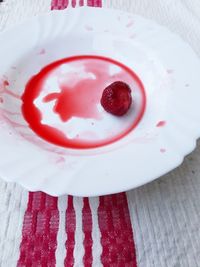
(116, 98)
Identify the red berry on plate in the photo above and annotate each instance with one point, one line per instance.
(116, 98)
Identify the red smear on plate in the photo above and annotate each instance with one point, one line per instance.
(4, 84)
(69, 103)
(161, 124)
(60, 160)
(79, 100)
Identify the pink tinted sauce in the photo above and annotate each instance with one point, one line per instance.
(76, 100)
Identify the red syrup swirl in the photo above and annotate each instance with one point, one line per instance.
(77, 98)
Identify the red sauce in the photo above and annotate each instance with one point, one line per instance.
(79, 99)
(80, 102)
(161, 124)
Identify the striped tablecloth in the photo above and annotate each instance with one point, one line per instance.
(157, 225)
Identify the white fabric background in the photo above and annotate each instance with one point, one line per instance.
(166, 213)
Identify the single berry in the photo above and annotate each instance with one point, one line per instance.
(116, 98)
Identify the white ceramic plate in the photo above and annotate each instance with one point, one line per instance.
(168, 69)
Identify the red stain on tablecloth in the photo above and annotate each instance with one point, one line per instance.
(87, 230)
(39, 233)
(116, 231)
(70, 231)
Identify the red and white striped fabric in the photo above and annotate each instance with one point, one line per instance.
(62, 4)
(74, 231)
(77, 232)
